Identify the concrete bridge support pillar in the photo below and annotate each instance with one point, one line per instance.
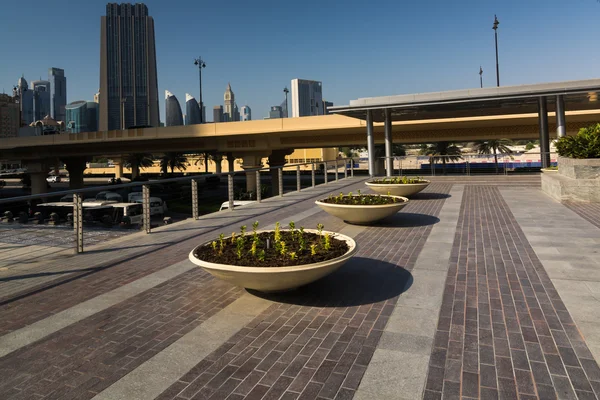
(544, 135)
(118, 161)
(389, 162)
(561, 126)
(38, 172)
(370, 143)
(277, 159)
(251, 161)
(75, 166)
(218, 159)
(230, 162)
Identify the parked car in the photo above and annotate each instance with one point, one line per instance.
(236, 204)
(53, 179)
(157, 205)
(106, 196)
(114, 181)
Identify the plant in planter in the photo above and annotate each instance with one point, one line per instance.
(586, 144)
(361, 208)
(275, 260)
(398, 186)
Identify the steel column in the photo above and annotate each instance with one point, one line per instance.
(78, 222)
(325, 172)
(389, 162)
(370, 143)
(280, 179)
(561, 126)
(258, 189)
(146, 206)
(312, 174)
(230, 190)
(351, 167)
(337, 168)
(544, 136)
(195, 199)
(345, 169)
(298, 184)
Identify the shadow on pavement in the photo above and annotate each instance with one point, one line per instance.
(429, 196)
(407, 220)
(360, 281)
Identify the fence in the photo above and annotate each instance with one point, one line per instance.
(329, 167)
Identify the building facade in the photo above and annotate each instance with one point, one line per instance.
(307, 98)
(24, 96)
(218, 114)
(230, 108)
(173, 116)
(275, 112)
(192, 110)
(41, 99)
(81, 116)
(246, 113)
(128, 80)
(326, 105)
(58, 93)
(10, 116)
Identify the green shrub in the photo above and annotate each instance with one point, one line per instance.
(529, 146)
(586, 144)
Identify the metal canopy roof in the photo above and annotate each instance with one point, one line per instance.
(578, 95)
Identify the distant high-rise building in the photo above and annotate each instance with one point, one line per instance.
(326, 105)
(173, 116)
(276, 112)
(41, 99)
(97, 97)
(192, 110)
(307, 98)
(218, 114)
(58, 93)
(24, 96)
(81, 116)
(246, 113)
(128, 81)
(10, 118)
(229, 104)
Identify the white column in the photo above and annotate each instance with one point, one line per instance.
(388, 143)
(370, 143)
(561, 126)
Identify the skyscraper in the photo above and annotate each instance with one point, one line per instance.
(229, 104)
(41, 99)
(246, 113)
(58, 93)
(81, 116)
(307, 98)
(326, 105)
(276, 112)
(24, 96)
(173, 115)
(192, 110)
(9, 116)
(218, 114)
(128, 81)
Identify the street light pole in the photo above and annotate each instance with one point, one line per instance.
(495, 28)
(201, 64)
(286, 91)
(480, 77)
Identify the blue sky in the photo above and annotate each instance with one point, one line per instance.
(356, 48)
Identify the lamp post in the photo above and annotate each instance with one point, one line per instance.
(123, 100)
(201, 64)
(286, 91)
(495, 28)
(480, 77)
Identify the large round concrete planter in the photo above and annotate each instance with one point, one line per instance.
(277, 279)
(398, 189)
(362, 214)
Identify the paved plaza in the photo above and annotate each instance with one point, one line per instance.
(481, 287)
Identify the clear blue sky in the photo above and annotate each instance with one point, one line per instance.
(356, 48)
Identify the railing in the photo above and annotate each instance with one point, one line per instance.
(468, 164)
(328, 167)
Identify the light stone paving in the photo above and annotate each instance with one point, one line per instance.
(398, 369)
(155, 375)
(569, 248)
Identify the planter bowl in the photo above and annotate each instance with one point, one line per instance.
(362, 214)
(277, 279)
(398, 189)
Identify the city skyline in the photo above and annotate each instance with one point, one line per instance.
(422, 48)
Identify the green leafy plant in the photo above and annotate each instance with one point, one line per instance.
(214, 246)
(327, 244)
(293, 255)
(277, 232)
(282, 248)
(586, 144)
(292, 226)
(399, 180)
(253, 248)
(221, 243)
(320, 229)
(254, 230)
(261, 255)
(239, 247)
(363, 199)
(313, 249)
(233, 237)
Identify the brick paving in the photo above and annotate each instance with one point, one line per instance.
(316, 342)
(503, 331)
(588, 211)
(24, 308)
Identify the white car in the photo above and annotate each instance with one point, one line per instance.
(157, 205)
(236, 203)
(53, 179)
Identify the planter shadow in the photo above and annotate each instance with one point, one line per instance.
(429, 196)
(360, 281)
(407, 220)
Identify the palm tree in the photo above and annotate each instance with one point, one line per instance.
(173, 160)
(494, 147)
(204, 158)
(136, 161)
(444, 151)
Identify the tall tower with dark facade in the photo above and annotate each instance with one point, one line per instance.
(58, 93)
(128, 81)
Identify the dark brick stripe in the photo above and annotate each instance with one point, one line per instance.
(588, 211)
(87, 357)
(317, 341)
(503, 330)
(32, 305)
